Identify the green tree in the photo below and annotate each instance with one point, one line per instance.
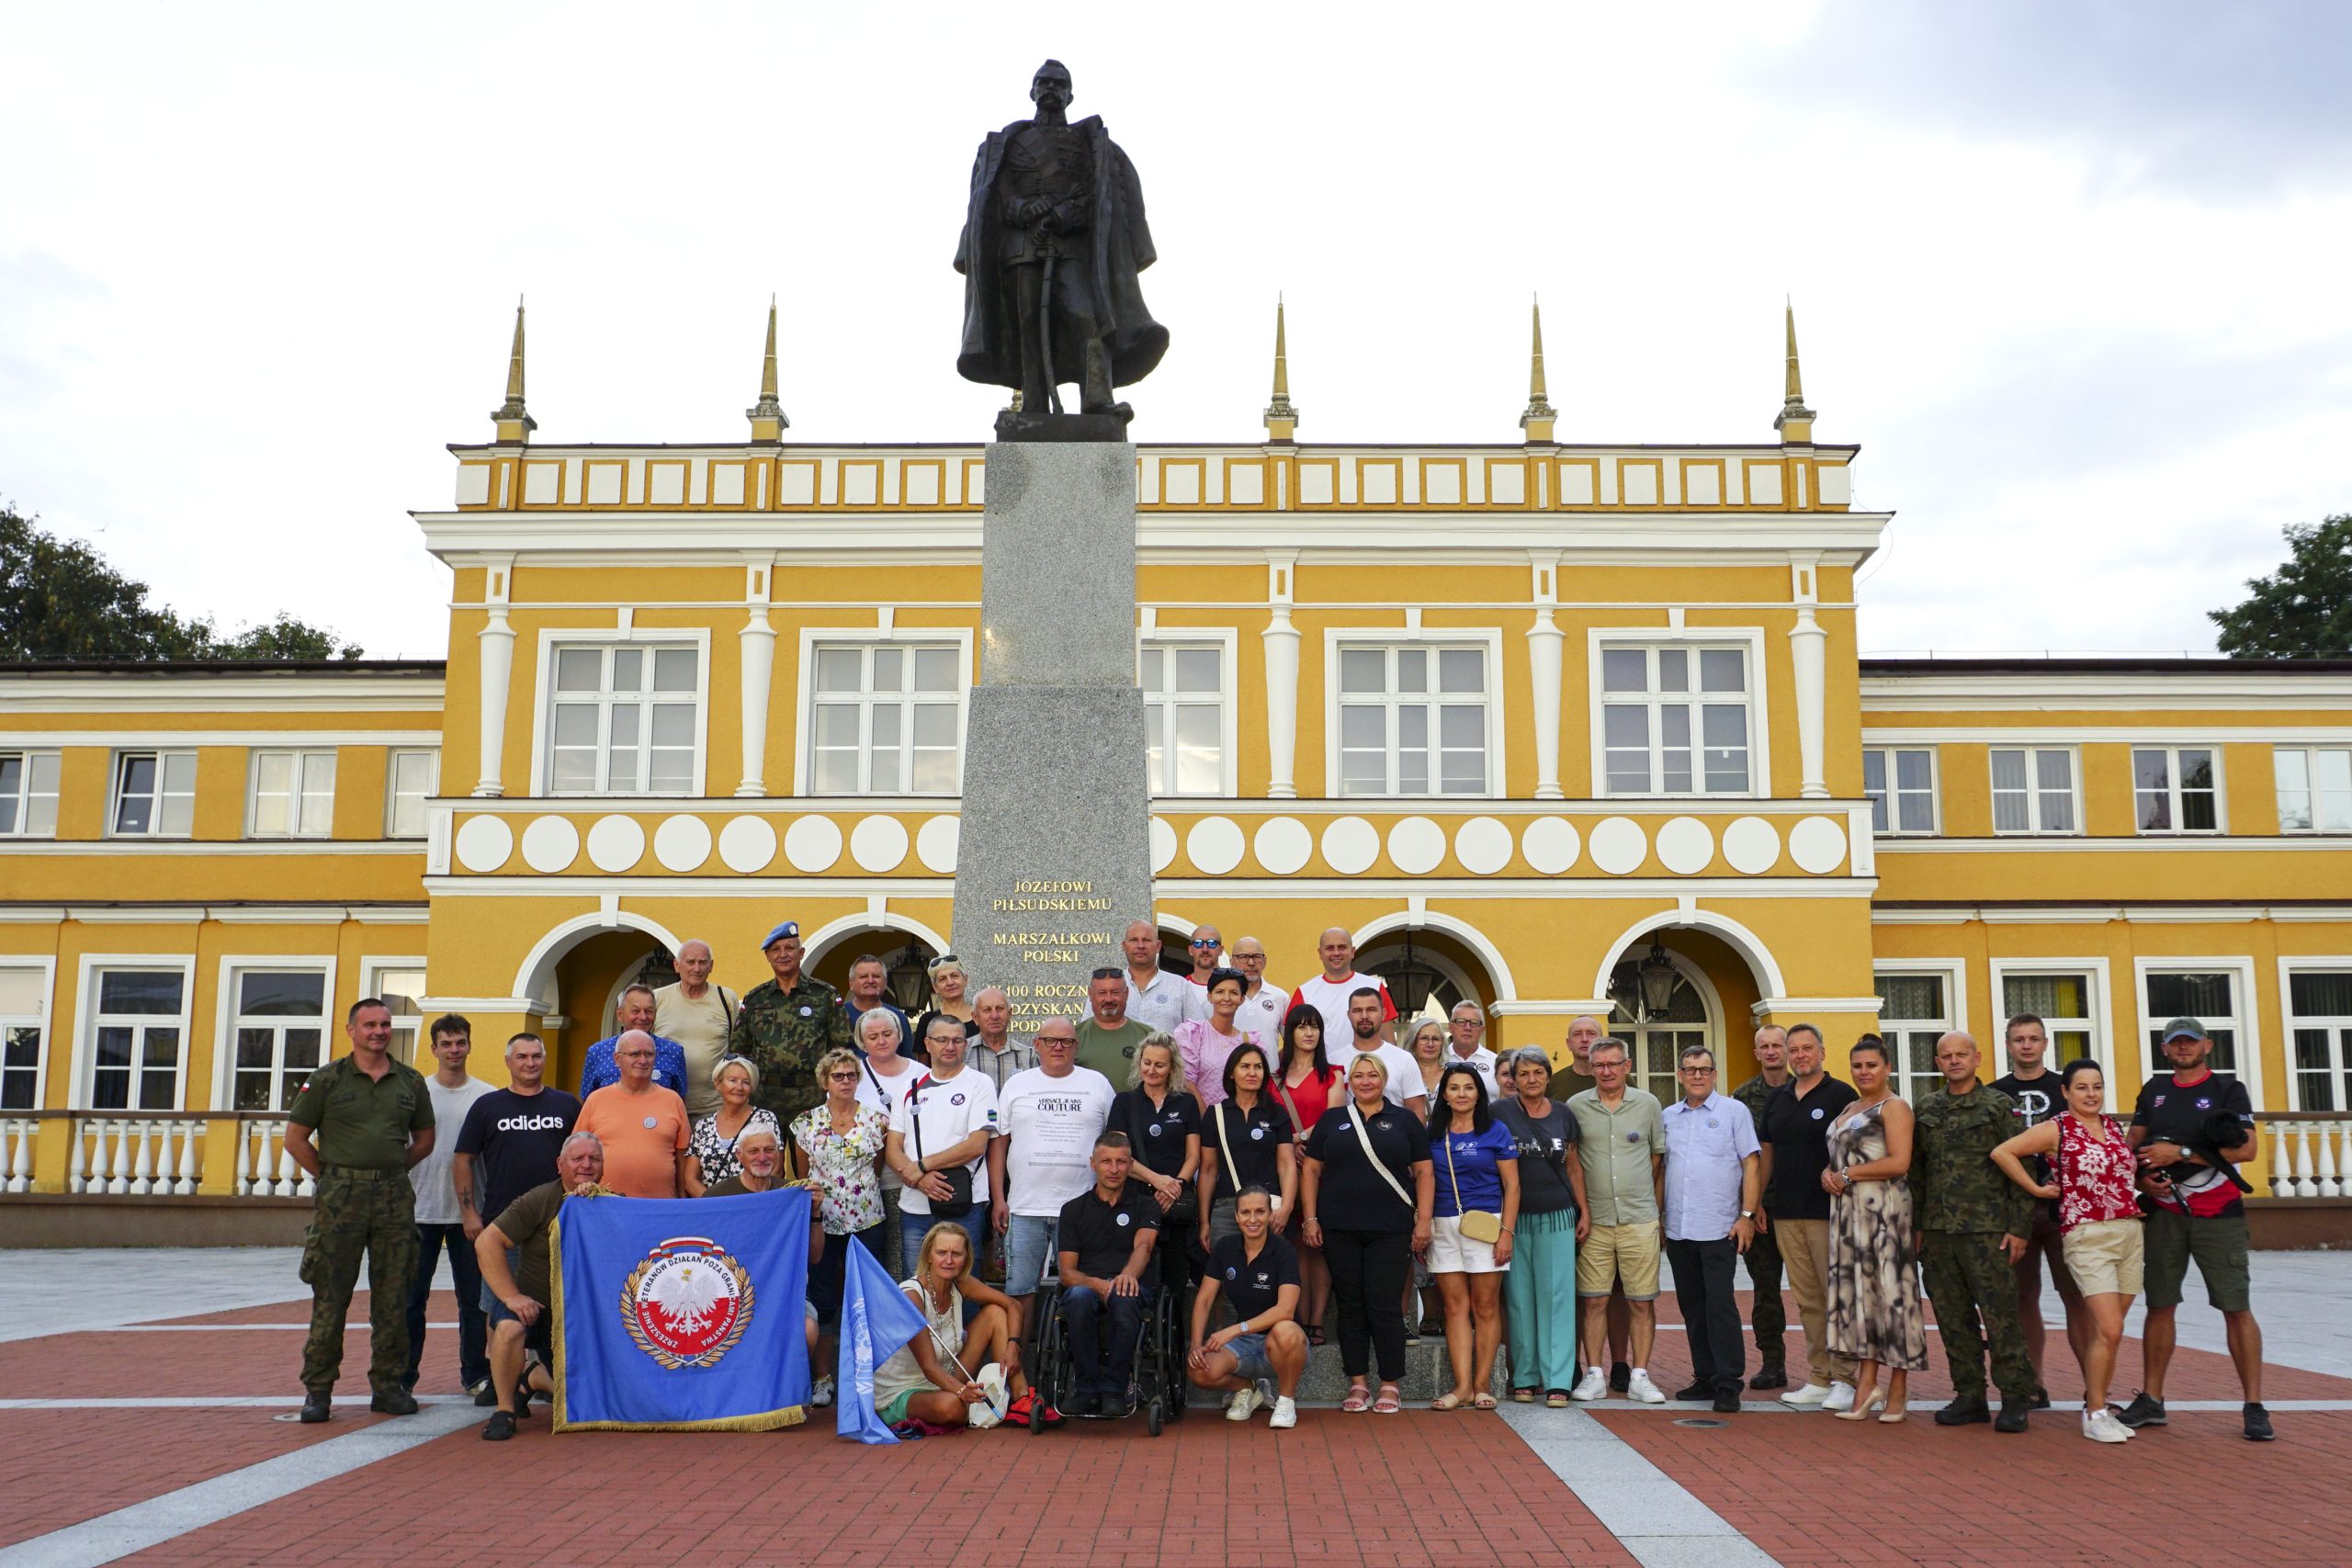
(2303, 610)
(61, 600)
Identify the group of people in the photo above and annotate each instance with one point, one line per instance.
(1283, 1159)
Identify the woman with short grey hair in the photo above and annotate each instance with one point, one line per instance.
(1540, 1292)
(713, 1152)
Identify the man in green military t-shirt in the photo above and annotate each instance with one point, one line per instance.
(785, 1024)
(1972, 1224)
(1107, 1038)
(357, 1126)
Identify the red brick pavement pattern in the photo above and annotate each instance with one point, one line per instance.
(1099, 1495)
(220, 1365)
(1808, 1489)
(60, 1467)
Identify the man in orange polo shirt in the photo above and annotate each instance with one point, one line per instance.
(642, 1125)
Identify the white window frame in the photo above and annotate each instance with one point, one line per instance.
(2246, 1024)
(648, 638)
(371, 978)
(2034, 792)
(2173, 794)
(114, 791)
(393, 793)
(2101, 1022)
(29, 758)
(2290, 1019)
(1227, 641)
(804, 750)
(44, 1020)
(1893, 829)
(224, 1029)
(1954, 972)
(1760, 716)
(85, 1021)
(303, 759)
(2310, 787)
(1490, 638)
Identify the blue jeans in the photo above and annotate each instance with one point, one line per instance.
(912, 1228)
(473, 1324)
(1029, 1253)
(1082, 1312)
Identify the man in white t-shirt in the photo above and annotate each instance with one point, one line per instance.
(440, 1218)
(1466, 1043)
(1157, 999)
(697, 1015)
(1047, 1118)
(1405, 1086)
(1263, 1007)
(945, 1123)
(1329, 992)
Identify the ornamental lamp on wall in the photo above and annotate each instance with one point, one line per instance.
(1657, 980)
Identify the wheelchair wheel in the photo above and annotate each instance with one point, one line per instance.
(1153, 1414)
(1171, 1362)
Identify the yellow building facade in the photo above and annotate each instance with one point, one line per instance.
(1535, 720)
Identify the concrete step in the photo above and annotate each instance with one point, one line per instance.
(1427, 1374)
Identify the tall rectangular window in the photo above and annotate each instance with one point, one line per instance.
(403, 990)
(2033, 790)
(154, 794)
(280, 1028)
(1414, 719)
(23, 1023)
(2061, 999)
(139, 1036)
(2173, 790)
(624, 719)
(28, 795)
(2314, 788)
(1901, 783)
(1676, 720)
(2319, 1036)
(1183, 716)
(2208, 996)
(293, 795)
(1914, 1012)
(884, 719)
(410, 779)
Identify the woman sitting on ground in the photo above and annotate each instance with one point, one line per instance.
(935, 1377)
(1260, 1356)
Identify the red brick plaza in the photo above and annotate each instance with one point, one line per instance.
(169, 1440)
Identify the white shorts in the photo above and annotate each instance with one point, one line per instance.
(1451, 1252)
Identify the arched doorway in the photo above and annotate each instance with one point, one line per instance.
(907, 959)
(573, 976)
(1427, 970)
(1663, 1004)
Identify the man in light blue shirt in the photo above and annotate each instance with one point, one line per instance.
(635, 1011)
(1713, 1177)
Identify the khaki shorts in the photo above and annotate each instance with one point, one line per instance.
(2105, 1257)
(1611, 1252)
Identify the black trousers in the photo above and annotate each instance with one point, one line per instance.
(1767, 1313)
(1703, 1272)
(1369, 1270)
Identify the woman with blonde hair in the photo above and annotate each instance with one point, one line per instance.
(838, 1143)
(950, 998)
(1162, 1121)
(713, 1154)
(954, 1372)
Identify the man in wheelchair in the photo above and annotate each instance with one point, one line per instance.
(1105, 1239)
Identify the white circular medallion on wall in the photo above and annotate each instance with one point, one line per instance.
(1213, 846)
(1817, 843)
(936, 843)
(879, 843)
(484, 842)
(1482, 845)
(1163, 845)
(1550, 844)
(812, 843)
(615, 843)
(683, 842)
(1619, 845)
(1350, 845)
(1752, 845)
(549, 845)
(1416, 845)
(1685, 846)
(1282, 844)
(745, 845)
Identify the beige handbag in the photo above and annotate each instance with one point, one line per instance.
(1477, 1225)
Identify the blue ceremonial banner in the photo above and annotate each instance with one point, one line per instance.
(876, 1319)
(682, 1315)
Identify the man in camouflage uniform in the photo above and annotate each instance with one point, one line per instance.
(1767, 1312)
(357, 1126)
(785, 1024)
(1973, 1223)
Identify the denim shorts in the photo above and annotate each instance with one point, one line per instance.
(1250, 1350)
(1029, 1253)
(535, 1336)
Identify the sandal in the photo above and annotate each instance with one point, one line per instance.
(1483, 1402)
(1523, 1396)
(1388, 1404)
(1448, 1401)
(1555, 1400)
(1358, 1401)
(1315, 1336)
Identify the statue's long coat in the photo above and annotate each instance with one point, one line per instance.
(1119, 241)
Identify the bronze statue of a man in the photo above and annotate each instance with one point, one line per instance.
(1054, 238)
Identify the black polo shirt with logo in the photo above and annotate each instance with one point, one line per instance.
(1798, 1129)
(1252, 1286)
(1103, 1235)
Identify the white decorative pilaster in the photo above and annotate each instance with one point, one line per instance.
(496, 643)
(1809, 660)
(758, 646)
(1544, 643)
(1281, 680)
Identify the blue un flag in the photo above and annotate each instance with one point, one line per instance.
(682, 1315)
(877, 1320)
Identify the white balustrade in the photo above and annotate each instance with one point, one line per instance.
(142, 1174)
(17, 1139)
(190, 1176)
(120, 1182)
(2310, 1157)
(2331, 1133)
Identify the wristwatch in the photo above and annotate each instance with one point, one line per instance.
(1748, 1213)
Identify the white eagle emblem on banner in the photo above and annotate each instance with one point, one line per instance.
(687, 1303)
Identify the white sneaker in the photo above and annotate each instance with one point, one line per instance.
(1285, 1413)
(1594, 1384)
(1242, 1405)
(1810, 1397)
(1641, 1388)
(1840, 1396)
(821, 1394)
(2101, 1427)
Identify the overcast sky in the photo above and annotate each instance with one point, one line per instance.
(2072, 274)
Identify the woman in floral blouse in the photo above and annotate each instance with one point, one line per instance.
(840, 1144)
(711, 1155)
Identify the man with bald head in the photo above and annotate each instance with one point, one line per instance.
(1263, 1007)
(1327, 993)
(1972, 1223)
(698, 1014)
(642, 1126)
(1158, 999)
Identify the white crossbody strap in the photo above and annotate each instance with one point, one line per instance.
(1363, 1136)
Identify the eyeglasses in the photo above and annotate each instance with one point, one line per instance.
(1057, 1040)
(841, 1077)
(1700, 1072)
